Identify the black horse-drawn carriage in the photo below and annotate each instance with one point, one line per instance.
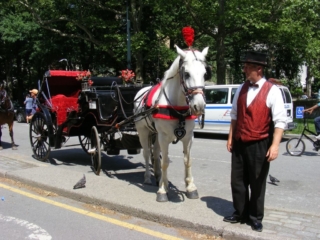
(70, 103)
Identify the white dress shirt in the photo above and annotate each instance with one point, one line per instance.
(274, 102)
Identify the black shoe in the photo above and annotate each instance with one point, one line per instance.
(256, 226)
(232, 219)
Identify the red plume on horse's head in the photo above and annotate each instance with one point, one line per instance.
(188, 35)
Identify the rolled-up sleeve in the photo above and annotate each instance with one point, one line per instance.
(234, 108)
(275, 102)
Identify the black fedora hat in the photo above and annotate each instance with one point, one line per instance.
(256, 58)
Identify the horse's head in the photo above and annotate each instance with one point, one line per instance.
(193, 73)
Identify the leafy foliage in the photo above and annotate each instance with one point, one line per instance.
(35, 35)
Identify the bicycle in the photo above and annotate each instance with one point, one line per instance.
(296, 146)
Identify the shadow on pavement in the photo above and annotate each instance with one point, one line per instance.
(220, 206)
(7, 145)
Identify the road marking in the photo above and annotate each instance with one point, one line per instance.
(36, 231)
(93, 215)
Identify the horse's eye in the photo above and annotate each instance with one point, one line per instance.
(186, 75)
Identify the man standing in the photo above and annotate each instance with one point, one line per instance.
(258, 118)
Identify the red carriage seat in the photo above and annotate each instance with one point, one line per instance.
(64, 90)
(63, 105)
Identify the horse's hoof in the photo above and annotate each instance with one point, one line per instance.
(14, 148)
(162, 197)
(192, 195)
(1, 147)
(147, 182)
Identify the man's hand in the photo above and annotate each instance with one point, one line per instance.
(272, 153)
(308, 110)
(273, 150)
(229, 145)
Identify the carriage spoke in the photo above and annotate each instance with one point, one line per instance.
(85, 143)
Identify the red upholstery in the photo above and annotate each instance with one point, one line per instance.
(62, 105)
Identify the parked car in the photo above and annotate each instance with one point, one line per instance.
(19, 112)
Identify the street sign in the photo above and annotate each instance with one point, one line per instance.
(299, 112)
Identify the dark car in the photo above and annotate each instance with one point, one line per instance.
(19, 112)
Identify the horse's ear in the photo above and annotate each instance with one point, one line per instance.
(205, 51)
(180, 52)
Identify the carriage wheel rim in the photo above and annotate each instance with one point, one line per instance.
(96, 155)
(39, 137)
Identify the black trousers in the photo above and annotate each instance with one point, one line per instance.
(249, 169)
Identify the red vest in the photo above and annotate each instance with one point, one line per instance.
(253, 122)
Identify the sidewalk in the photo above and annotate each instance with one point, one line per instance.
(204, 215)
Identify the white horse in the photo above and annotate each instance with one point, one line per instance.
(178, 100)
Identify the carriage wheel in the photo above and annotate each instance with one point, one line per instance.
(95, 151)
(85, 143)
(39, 137)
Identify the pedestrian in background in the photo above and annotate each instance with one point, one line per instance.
(316, 120)
(28, 105)
(33, 93)
(258, 118)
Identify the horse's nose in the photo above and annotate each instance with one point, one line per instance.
(197, 111)
(195, 108)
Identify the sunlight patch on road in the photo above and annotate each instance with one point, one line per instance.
(93, 215)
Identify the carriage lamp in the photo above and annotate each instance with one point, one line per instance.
(66, 60)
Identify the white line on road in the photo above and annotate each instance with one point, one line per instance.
(36, 232)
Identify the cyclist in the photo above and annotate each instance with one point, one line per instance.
(316, 120)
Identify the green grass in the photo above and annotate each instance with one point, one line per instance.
(300, 126)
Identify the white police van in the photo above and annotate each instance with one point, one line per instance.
(219, 103)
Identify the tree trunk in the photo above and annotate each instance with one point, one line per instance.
(221, 63)
(135, 18)
(308, 82)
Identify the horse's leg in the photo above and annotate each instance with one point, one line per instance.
(191, 189)
(164, 183)
(156, 161)
(14, 147)
(144, 141)
(0, 137)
